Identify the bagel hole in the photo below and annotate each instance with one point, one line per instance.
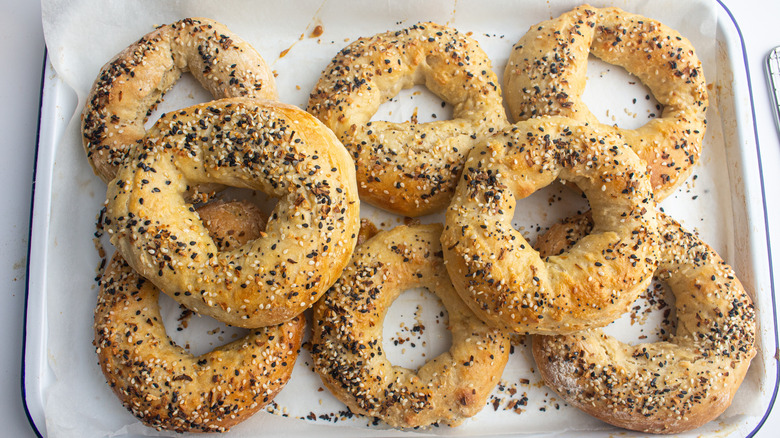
(535, 214)
(616, 97)
(186, 92)
(416, 105)
(262, 201)
(195, 333)
(651, 318)
(415, 329)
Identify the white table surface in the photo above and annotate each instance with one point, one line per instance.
(22, 48)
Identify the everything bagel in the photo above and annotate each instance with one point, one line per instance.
(663, 387)
(546, 75)
(260, 145)
(347, 337)
(409, 168)
(130, 85)
(496, 271)
(160, 382)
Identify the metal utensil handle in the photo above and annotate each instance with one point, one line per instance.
(773, 73)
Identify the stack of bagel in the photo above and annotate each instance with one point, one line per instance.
(226, 260)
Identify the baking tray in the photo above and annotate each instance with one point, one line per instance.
(62, 383)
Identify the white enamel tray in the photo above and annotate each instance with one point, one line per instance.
(65, 393)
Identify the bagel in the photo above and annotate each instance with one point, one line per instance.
(546, 75)
(347, 337)
(502, 278)
(161, 383)
(260, 145)
(130, 85)
(663, 387)
(409, 168)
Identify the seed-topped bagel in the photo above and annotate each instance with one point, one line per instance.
(161, 383)
(663, 387)
(130, 85)
(246, 143)
(409, 168)
(499, 274)
(347, 336)
(546, 75)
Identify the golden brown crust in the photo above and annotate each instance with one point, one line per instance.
(347, 336)
(261, 145)
(160, 382)
(409, 168)
(663, 387)
(546, 75)
(130, 85)
(494, 268)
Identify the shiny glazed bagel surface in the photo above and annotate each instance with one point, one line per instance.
(259, 145)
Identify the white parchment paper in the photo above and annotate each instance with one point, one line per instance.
(82, 35)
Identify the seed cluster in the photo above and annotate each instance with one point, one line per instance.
(545, 75)
(130, 86)
(409, 168)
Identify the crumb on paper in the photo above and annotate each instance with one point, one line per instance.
(316, 32)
